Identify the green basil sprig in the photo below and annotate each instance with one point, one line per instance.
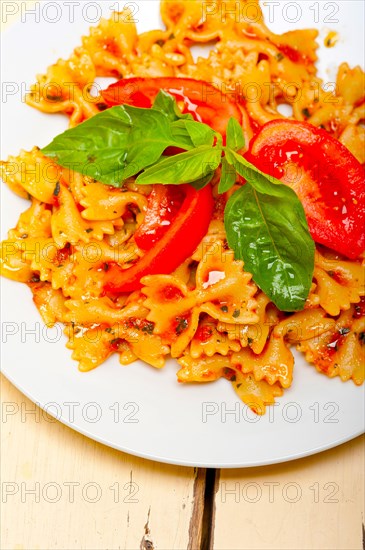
(183, 168)
(228, 176)
(267, 228)
(264, 219)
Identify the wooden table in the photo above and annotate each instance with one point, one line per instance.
(61, 490)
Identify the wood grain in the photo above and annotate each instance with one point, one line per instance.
(119, 501)
(87, 496)
(315, 503)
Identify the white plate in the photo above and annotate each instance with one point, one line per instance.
(138, 409)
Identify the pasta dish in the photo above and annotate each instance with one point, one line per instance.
(183, 215)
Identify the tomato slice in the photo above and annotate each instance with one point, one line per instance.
(175, 246)
(205, 102)
(327, 178)
(164, 203)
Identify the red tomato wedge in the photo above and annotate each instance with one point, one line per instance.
(327, 178)
(205, 102)
(164, 203)
(174, 247)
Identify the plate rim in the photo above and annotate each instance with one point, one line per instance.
(184, 463)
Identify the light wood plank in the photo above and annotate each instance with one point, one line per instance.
(138, 500)
(328, 513)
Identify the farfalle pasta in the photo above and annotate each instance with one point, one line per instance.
(208, 313)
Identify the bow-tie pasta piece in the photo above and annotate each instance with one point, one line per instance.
(202, 369)
(145, 345)
(90, 347)
(12, 263)
(173, 310)
(208, 341)
(305, 325)
(50, 303)
(68, 226)
(340, 351)
(31, 174)
(168, 300)
(65, 88)
(33, 222)
(255, 394)
(98, 329)
(274, 364)
(102, 202)
(334, 297)
(216, 233)
(44, 256)
(111, 44)
(339, 283)
(254, 335)
(223, 289)
(101, 311)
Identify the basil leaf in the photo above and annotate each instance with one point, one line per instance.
(166, 104)
(199, 133)
(183, 168)
(181, 136)
(114, 144)
(269, 232)
(261, 181)
(228, 177)
(235, 138)
(183, 127)
(202, 182)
